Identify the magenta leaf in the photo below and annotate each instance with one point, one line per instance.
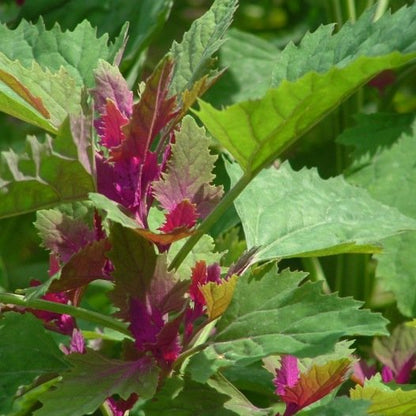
(134, 262)
(398, 353)
(362, 371)
(152, 113)
(287, 375)
(93, 378)
(66, 231)
(182, 217)
(111, 86)
(85, 266)
(189, 172)
(310, 386)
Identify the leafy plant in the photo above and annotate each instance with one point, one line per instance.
(188, 262)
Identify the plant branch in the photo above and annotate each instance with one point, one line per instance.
(76, 312)
(212, 218)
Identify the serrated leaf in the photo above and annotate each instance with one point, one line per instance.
(385, 401)
(153, 112)
(177, 398)
(189, 172)
(218, 296)
(134, 261)
(84, 267)
(316, 383)
(274, 315)
(389, 174)
(268, 126)
(290, 214)
(53, 49)
(144, 17)
(26, 351)
(93, 378)
(193, 56)
(55, 171)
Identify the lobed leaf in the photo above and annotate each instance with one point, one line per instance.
(388, 173)
(257, 132)
(93, 378)
(55, 171)
(26, 352)
(274, 315)
(145, 17)
(385, 401)
(53, 49)
(340, 406)
(193, 56)
(289, 214)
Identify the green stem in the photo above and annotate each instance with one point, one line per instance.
(352, 14)
(337, 13)
(381, 9)
(316, 273)
(76, 312)
(212, 218)
(105, 410)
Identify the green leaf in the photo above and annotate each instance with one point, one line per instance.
(249, 61)
(389, 175)
(26, 351)
(193, 56)
(385, 401)
(340, 406)
(144, 17)
(274, 315)
(291, 214)
(178, 398)
(55, 171)
(257, 132)
(112, 210)
(134, 261)
(53, 49)
(93, 378)
(37, 96)
(188, 173)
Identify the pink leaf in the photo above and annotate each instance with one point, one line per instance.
(287, 375)
(183, 216)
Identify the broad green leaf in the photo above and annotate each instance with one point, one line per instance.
(93, 378)
(389, 175)
(77, 51)
(255, 64)
(193, 56)
(50, 172)
(26, 352)
(178, 398)
(145, 17)
(37, 96)
(385, 401)
(273, 315)
(257, 132)
(290, 214)
(340, 406)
